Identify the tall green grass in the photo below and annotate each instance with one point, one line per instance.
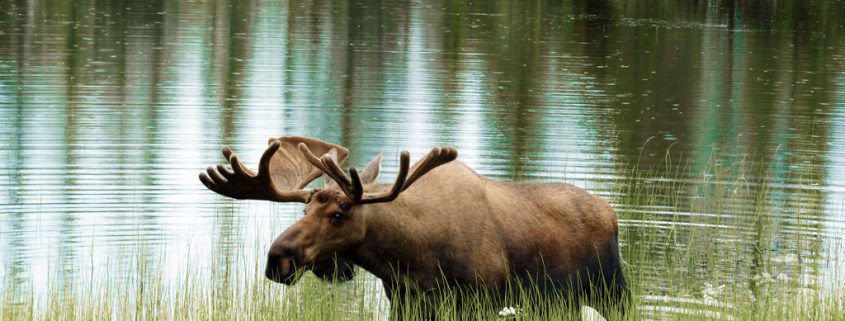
(721, 239)
(730, 237)
(250, 297)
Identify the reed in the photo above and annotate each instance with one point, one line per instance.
(688, 256)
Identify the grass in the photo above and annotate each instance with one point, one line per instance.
(689, 255)
(250, 297)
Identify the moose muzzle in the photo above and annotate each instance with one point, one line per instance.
(283, 261)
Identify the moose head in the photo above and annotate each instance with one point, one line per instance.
(335, 220)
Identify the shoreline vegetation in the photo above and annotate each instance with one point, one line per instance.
(249, 296)
(687, 256)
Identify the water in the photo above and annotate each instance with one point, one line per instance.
(111, 109)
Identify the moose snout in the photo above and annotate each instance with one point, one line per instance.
(282, 262)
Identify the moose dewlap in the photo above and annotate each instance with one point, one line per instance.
(439, 223)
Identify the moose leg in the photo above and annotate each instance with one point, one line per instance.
(608, 291)
(409, 305)
(611, 296)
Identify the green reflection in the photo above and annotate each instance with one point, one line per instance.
(711, 125)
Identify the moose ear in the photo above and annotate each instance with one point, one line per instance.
(370, 174)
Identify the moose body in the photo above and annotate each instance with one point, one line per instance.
(443, 223)
(475, 230)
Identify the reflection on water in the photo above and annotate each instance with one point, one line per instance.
(112, 108)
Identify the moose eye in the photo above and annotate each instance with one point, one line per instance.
(336, 217)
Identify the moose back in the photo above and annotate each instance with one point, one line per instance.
(439, 221)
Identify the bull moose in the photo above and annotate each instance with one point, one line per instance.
(439, 221)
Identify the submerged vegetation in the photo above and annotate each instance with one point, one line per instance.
(708, 265)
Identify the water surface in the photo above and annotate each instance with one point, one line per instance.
(712, 126)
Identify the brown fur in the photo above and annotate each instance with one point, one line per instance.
(473, 231)
(448, 224)
(484, 230)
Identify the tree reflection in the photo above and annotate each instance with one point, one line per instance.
(723, 113)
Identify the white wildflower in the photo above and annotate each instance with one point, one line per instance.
(507, 312)
(709, 300)
(712, 291)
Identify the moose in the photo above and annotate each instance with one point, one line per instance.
(438, 222)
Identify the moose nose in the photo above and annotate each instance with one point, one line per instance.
(280, 263)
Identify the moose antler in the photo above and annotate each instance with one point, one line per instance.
(282, 171)
(352, 186)
(436, 157)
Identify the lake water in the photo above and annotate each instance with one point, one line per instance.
(716, 128)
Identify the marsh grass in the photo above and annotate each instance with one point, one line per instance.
(701, 240)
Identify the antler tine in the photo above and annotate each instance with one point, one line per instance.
(343, 180)
(436, 157)
(422, 164)
(335, 170)
(404, 161)
(329, 166)
(352, 185)
(357, 185)
(243, 183)
(311, 158)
